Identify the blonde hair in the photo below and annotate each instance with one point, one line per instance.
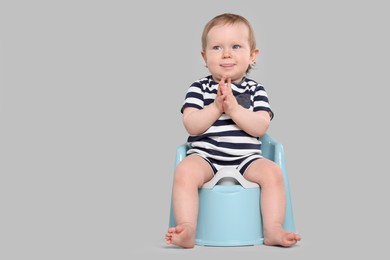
(228, 18)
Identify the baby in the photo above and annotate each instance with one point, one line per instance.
(224, 114)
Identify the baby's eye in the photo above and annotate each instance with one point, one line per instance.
(236, 46)
(217, 48)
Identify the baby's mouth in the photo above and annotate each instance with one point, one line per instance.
(227, 65)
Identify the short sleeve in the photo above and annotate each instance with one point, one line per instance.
(194, 97)
(261, 101)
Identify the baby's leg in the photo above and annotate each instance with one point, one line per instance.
(273, 202)
(190, 175)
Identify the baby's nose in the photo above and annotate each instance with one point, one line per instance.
(226, 53)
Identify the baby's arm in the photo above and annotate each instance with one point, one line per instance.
(254, 123)
(197, 121)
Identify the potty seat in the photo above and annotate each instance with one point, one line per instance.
(229, 205)
(229, 211)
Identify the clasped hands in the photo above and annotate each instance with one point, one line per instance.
(225, 101)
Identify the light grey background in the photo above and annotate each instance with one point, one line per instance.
(90, 122)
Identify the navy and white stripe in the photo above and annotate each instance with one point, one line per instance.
(241, 165)
(224, 141)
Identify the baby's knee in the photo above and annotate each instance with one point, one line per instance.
(275, 173)
(272, 173)
(182, 173)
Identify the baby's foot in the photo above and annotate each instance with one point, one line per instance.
(281, 238)
(181, 235)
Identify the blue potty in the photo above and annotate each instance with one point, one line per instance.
(229, 211)
(229, 205)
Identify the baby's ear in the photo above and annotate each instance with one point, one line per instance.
(254, 54)
(204, 56)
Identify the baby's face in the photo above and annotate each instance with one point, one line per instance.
(227, 52)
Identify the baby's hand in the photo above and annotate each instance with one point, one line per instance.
(230, 101)
(220, 95)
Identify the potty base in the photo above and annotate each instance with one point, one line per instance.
(229, 215)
